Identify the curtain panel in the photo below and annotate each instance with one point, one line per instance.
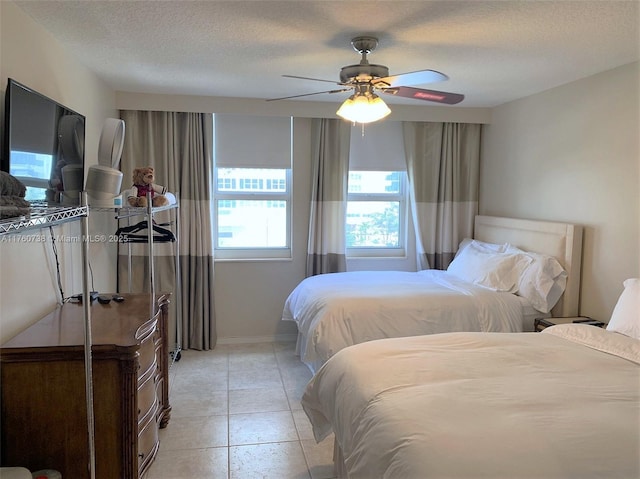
(326, 250)
(179, 147)
(443, 169)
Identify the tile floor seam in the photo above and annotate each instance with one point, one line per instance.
(295, 425)
(275, 441)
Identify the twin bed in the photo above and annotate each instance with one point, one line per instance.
(563, 403)
(480, 399)
(333, 311)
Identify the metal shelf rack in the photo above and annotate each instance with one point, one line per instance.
(42, 215)
(148, 213)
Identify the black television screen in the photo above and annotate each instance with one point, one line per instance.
(44, 145)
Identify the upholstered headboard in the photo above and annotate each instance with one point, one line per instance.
(560, 240)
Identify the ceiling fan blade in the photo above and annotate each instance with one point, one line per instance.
(427, 95)
(309, 94)
(412, 78)
(307, 78)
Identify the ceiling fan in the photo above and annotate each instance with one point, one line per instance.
(366, 80)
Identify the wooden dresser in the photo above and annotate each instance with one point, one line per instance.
(43, 404)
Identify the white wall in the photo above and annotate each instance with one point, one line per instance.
(28, 287)
(571, 154)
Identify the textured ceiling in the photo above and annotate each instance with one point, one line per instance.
(493, 51)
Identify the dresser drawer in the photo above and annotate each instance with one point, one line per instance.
(147, 399)
(147, 358)
(147, 443)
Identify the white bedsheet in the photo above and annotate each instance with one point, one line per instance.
(565, 404)
(337, 310)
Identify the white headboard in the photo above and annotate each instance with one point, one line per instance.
(560, 240)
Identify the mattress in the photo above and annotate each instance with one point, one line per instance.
(561, 403)
(333, 311)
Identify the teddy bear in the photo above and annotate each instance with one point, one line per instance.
(142, 184)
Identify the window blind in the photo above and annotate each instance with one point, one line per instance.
(243, 141)
(380, 149)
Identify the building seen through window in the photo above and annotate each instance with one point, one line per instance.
(251, 207)
(374, 209)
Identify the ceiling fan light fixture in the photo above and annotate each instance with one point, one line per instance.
(361, 108)
(366, 77)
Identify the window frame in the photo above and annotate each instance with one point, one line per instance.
(254, 253)
(270, 146)
(401, 197)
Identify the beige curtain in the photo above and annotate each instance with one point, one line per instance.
(443, 167)
(330, 150)
(179, 147)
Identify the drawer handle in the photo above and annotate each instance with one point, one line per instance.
(141, 456)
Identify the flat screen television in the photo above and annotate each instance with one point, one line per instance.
(43, 145)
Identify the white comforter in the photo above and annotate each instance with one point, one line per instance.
(337, 310)
(564, 403)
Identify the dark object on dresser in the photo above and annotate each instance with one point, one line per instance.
(12, 193)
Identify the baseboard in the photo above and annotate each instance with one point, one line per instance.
(278, 338)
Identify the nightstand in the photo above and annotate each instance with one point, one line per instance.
(540, 323)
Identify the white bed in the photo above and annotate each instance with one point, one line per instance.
(333, 311)
(564, 403)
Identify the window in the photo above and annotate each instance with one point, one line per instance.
(376, 203)
(254, 213)
(252, 196)
(375, 213)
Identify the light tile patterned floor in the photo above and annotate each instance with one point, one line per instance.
(236, 414)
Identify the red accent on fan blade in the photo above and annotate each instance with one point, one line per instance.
(412, 78)
(427, 95)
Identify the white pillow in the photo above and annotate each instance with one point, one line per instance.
(542, 282)
(625, 318)
(488, 247)
(496, 271)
